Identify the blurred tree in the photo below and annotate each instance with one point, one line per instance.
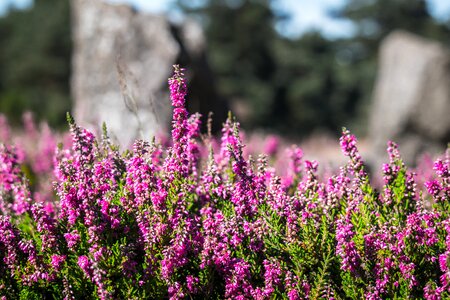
(240, 36)
(317, 92)
(374, 19)
(35, 61)
(293, 86)
(299, 85)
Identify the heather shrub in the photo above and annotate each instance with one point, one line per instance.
(192, 220)
(32, 150)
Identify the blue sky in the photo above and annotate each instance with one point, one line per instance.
(306, 14)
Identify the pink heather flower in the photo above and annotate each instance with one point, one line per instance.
(83, 144)
(224, 153)
(295, 155)
(9, 239)
(12, 183)
(346, 247)
(9, 168)
(348, 143)
(97, 253)
(433, 187)
(178, 90)
(421, 227)
(29, 124)
(390, 172)
(311, 166)
(271, 145)
(272, 273)
(407, 271)
(140, 179)
(443, 262)
(46, 225)
(293, 295)
(167, 268)
(306, 288)
(176, 291)
(57, 261)
(192, 147)
(22, 199)
(49, 208)
(431, 293)
(177, 86)
(238, 285)
(441, 168)
(72, 239)
(183, 155)
(392, 150)
(192, 283)
(85, 264)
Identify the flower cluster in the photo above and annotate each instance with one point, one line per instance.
(197, 220)
(33, 154)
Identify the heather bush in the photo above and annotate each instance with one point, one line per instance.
(32, 150)
(192, 220)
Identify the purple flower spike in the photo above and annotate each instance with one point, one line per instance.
(57, 261)
(348, 145)
(85, 264)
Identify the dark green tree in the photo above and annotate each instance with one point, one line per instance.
(290, 85)
(35, 58)
(317, 92)
(374, 19)
(298, 85)
(240, 37)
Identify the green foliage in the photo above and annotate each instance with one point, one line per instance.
(35, 59)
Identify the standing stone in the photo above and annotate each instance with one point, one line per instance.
(411, 101)
(121, 62)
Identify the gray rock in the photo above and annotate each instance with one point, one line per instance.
(121, 62)
(411, 100)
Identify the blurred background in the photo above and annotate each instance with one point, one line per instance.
(288, 67)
